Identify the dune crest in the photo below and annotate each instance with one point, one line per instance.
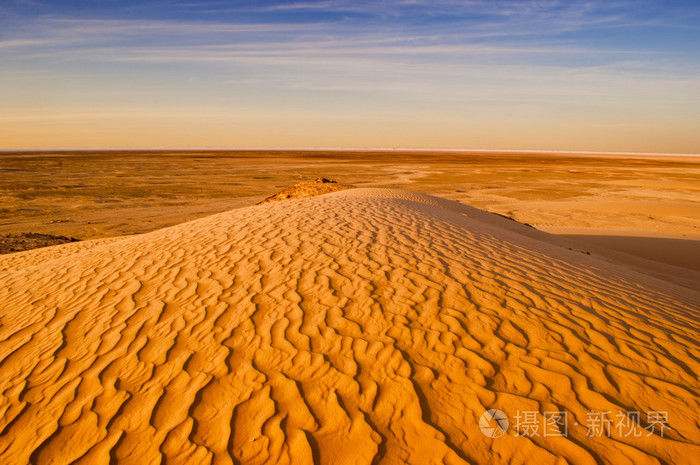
(362, 326)
(320, 186)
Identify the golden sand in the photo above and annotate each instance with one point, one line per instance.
(362, 326)
(89, 195)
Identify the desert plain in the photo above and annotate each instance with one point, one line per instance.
(394, 322)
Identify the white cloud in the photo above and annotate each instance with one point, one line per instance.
(506, 61)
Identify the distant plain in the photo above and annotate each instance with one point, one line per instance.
(593, 197)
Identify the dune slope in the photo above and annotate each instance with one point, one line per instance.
(363, 326)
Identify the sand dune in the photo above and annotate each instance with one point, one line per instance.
(363, 326)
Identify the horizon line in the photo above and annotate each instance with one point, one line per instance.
(340, 149)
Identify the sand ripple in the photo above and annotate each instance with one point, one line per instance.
(364, 326)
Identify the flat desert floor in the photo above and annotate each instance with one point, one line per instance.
(368, 325)
(87, 195)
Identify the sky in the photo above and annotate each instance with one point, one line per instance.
(612, 75)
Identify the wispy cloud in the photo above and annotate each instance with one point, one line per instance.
(149, 41)
(81, 33)
(442, 58)
(472, 18)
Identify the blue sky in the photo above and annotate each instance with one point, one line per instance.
(555, 75)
